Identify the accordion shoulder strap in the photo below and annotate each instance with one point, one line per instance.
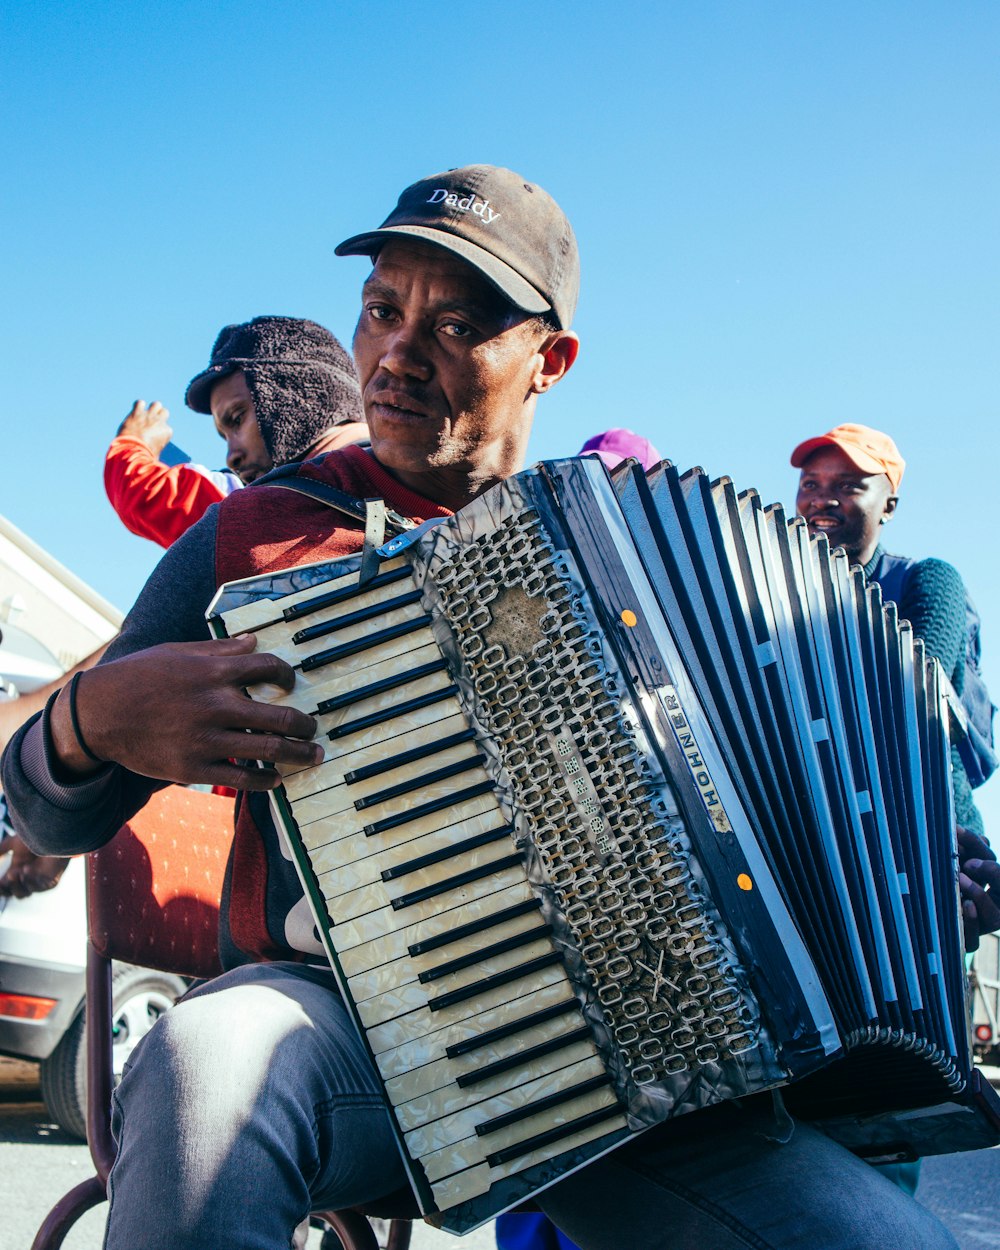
(356, 509)
(371, 513)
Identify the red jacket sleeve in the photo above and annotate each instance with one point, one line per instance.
(155, 500)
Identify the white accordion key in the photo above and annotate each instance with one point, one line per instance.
(275, 639)
(481, 818)
(416, 1025)
(259, 613)
(451, 981)
(316, 833)
(472, 1182)
(340, 802)
(361, 732)
(429, 1093)
(351, 757)
(376, 1003)
(338, 723)
(361, 947)
(474, 1036)
(350, 906)
(335, 681)
(463, 1125)
(359, 860)
(397, 894)
(433, 966)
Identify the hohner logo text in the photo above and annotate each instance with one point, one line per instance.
(702, 778)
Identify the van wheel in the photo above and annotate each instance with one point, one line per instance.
(139, 997)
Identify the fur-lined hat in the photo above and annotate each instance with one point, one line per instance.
(301, 380)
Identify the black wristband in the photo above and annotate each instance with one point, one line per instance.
(75, 721)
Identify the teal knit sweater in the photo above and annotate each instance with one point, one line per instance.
(934, 604)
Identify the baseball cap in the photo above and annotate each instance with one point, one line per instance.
(867, 449)
(507, 228)
(614, 446)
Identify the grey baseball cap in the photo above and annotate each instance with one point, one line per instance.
(509, 229)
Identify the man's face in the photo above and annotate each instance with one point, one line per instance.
(236, 420)
(448, 372)
(841, 501)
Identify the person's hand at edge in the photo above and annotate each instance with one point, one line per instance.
(148, 425)
(979, 882)
(28, 873)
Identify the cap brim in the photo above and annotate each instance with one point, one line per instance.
(198, 395)
(507, 281)
(857, 457)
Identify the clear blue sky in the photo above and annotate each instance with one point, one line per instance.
(787, 216)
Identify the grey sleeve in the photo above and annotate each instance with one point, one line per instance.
(56, 816)
(171, 606)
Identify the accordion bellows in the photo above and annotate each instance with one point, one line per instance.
(635, 799)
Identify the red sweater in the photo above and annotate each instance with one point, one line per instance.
(260, 531)
(159, 501)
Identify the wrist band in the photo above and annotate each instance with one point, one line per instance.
(75, 722)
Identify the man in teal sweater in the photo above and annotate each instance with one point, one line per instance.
(848, 491)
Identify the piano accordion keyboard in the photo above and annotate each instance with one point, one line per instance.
(485, 1054)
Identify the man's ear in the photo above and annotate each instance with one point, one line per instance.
(890, 507)
(555, 357)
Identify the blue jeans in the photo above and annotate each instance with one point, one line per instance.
(717, 1180)
(248, 1105)
(253, 1102)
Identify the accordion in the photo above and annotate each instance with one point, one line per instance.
(635, 798)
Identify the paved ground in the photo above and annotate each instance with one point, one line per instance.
(39, 1163)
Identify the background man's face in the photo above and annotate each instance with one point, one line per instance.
(445, 364)
(843, 502)
(236, 420)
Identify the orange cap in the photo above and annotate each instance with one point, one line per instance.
(867, 449)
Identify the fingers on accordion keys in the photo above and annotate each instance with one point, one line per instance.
(381, 720)
(340, 685)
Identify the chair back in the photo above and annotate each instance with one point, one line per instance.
(154, 891)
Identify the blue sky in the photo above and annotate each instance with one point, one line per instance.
(786, 214)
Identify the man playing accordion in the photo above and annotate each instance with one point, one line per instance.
(253, 1102)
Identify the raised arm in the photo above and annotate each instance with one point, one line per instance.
(157, 501)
